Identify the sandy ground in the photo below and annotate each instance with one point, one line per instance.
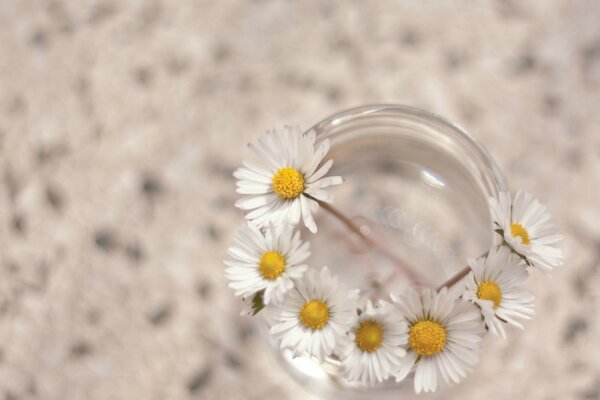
(120, 125)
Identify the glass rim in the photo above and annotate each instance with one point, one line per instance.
(350, 114)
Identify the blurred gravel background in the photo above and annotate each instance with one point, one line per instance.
(122, 121)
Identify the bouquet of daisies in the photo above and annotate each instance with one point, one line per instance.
(311, 312)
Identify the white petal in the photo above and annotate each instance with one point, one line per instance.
(406, 365)
(307, 217)
(252, 202)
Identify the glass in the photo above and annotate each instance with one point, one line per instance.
(418, 186)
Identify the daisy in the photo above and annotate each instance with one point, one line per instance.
(266, 262)
(375, 344)
(492, 285)
(444, 336)
(527, 228)
(288, 180)
(315, 314)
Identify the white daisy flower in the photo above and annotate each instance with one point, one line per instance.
(266, 262)
(374, 346)
(315, 315)
(527, 228)
(288, 179)
(493, 283)
(443, 338)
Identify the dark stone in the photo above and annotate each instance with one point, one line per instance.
(150, 14)
(82, 86)
(11, 183)
(246, 331)
(32, 387)
(592, 393)
(469, 111)
(526, 63)
(17, 105)
(80, 349)
(134, 252)
(54, 198)
(575, 327)
(580, 285)
(224, 203)
(222, 170)
(453, 60)
(93, 316)
(591, 53)
(410, 38)
(39, 38)
(551, 104)
(151, 186)
(327, 9)
(233, 361)
(8, 395)
(204, 290)
(12, 267)
(342, 44)
(98, 130)
(509, 9)
(46, 154)
(213, 232)
(18, 223)
(245, 83)
(334, 94)
(199, 380)
(59, 14)
(101, 12)
(6, 305)
(161, 315)
(105, 240)
(143, 76)
(295, 80)
(221, 53)
(574, 157)
(177, 66)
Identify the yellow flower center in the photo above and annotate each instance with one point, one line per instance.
(288, 183)
(271, 265)
(520, 231)
(489, 290)
(427, 337)
(369, 336)
(314, 314)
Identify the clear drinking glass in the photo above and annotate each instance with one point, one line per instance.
(418, 186)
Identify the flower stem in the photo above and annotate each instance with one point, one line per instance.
(453, 280)
(412, 275)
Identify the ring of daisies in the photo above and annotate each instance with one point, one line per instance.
(431, 333)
